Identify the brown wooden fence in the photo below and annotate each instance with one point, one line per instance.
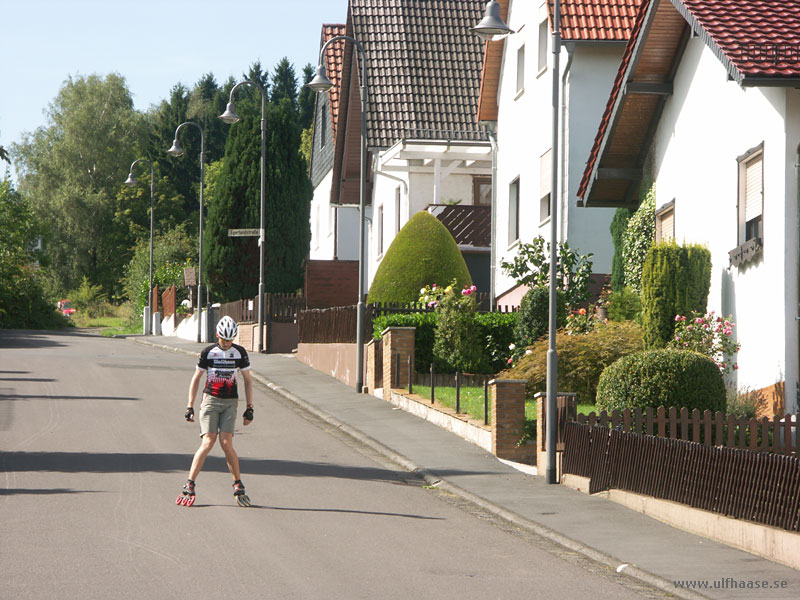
(754, 486)
(168, 301)
(328, 325)
(777, 435)
(280, 308)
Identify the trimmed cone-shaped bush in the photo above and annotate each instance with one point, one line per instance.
(423, 253)
(662, 378)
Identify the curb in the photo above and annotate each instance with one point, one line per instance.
(432, 479)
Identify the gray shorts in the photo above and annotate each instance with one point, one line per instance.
(217, 414)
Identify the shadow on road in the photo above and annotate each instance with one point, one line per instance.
(87, 462)
(41, 492)
(48, 397)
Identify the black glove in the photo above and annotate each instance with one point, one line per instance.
(189, 414)
(248, 413)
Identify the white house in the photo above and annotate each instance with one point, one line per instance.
(706, 105)
(334, 227)
(516, 93)
(425, 146)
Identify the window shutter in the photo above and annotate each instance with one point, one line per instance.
(668, 226)
(545, 173)
(753, 188)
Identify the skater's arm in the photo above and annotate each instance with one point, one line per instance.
(248, 391)
(198, 374)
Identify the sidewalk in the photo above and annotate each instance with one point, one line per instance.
(600, 529)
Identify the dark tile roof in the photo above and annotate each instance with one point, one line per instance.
(423, 65)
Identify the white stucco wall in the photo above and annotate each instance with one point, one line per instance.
(707, 123)
(524, 134)
(322, 221)
(588, 86)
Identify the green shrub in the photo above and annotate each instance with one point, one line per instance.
(624, 305)
(534, 314)
(662, 378)
(425, 324)
(456, 340)
(618, 225)
(496, 332)
(422, 253)
(675, 280)
(581, 359)
(89, 299)
(637, 239)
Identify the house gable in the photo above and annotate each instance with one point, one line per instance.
(644, 81)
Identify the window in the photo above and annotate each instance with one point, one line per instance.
(521, 69)
(545, 184)
(380, 230)
(751, 195)
(513, 211)
(482, 191)
(750, 234)
(665, 222)
(544, 31)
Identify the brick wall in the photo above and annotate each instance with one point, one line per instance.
(331, 283)
(396, 340)
(508, 418)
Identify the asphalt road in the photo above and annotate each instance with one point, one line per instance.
(94, 450)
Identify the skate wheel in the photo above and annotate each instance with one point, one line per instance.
(178, 500)
(243, 500)
(190, 501)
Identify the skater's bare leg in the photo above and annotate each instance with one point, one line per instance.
(200, 456)
(226, 441)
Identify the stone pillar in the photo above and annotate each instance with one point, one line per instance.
(371, 380)
(396, 340)
(508, 417)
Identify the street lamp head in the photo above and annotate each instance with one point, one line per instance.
(130, 181)
(176, 149)
(229, 116)
(491, 27)
(320, 83)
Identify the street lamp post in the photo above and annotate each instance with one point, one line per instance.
(492, 28)
(130, 181)
(230, 116)
(176, 150)
(551, 421)
(321, 83)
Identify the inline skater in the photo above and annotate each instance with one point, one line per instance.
(219, 405)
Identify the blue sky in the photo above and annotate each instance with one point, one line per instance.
(154, 44)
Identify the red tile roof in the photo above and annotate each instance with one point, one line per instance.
(758, 38)
(596, 20)
(334, 58)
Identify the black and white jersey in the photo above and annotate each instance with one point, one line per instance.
(220, 366)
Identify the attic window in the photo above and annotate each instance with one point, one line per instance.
(665, 222)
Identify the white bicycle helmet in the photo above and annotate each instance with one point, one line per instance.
(227, 328)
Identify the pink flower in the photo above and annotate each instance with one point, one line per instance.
(727, 331)
(474, 288)
(735, 367)
(698, 320)
(677, 318)
(510, 360)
